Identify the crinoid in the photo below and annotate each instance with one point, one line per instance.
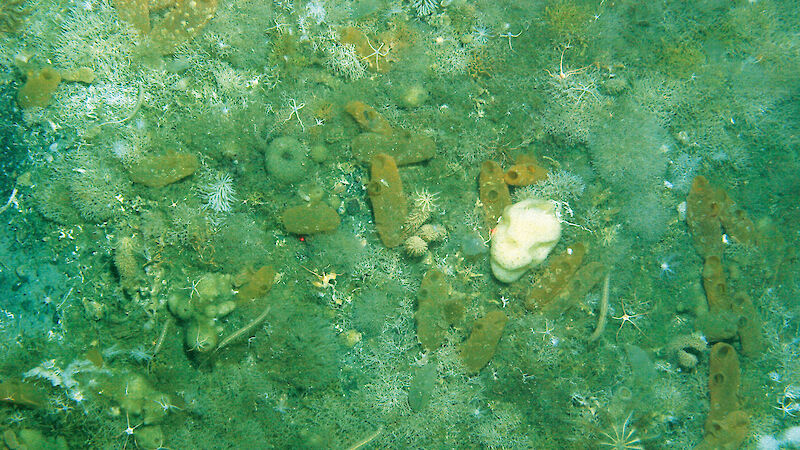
(622, 437)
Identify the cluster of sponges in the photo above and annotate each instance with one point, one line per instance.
(417, 245)
(174, 22)
(421, 233)
(200, 306)
(523, 233)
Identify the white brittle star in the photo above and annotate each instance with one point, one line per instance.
(561, 75)
(509, 35)
(193, 288)
(295, 112)
(625, 317)
(376, 52)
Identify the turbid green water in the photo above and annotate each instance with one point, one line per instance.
(153, 294)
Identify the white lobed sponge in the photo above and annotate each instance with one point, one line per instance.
(526, 233)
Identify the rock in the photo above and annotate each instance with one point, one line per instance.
(310, 218)
(493, 192)
(560, 269)
(162, 170)
(703, 207)
(149, 437)
(437, 309)
(726, 425)
(80, 75)
(405, 147)
(368, 118)
(385, 190)
(714, 285)
(422, 385)
(719, 326)
(479, 349)
(525, 171)
(38, 88)
(578, 286)
(254, 284)
(748, 325)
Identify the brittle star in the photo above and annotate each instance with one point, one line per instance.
(583, 89)
(548, 330)
(193, 288)
(787, 408)
(625, 317)
(278, 26)
(129, 430)
(296, 112)
(509, 36)
(376, 52)
(561, 75)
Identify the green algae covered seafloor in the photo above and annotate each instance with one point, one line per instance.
(289, 224)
